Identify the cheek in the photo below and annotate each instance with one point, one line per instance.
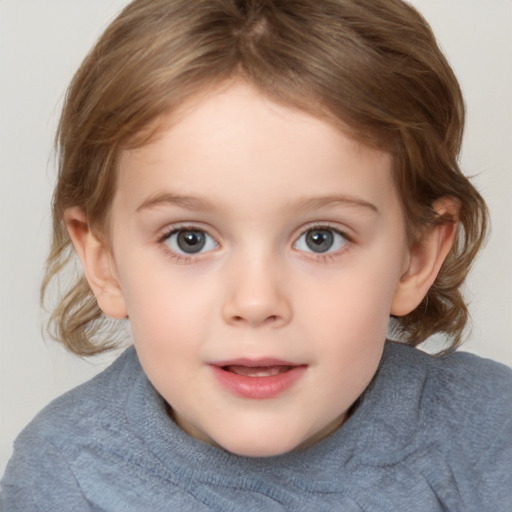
(351, 332)
(355, 301)
(166, 332)
(348, 315)
(164, 308)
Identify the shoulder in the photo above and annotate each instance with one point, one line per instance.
(450, 419)
(458, 396)
(457, 379)
(464, 403)
(86, 406)
(470, 389)
(57, 436)
(472, 396)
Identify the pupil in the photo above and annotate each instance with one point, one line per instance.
(319, 240)
(191, 241)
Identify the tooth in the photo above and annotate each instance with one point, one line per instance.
(257, 371)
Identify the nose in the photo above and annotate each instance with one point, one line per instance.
(257, 295)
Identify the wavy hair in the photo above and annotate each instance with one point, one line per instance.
(372, 65)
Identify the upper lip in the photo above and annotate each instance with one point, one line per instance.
(254, 363)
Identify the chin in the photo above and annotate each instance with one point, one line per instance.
(262, 446)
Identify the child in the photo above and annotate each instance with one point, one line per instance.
(258, 186)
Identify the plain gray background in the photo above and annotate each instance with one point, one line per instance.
(42, 42)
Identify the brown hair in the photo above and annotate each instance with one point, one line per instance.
(373, 65)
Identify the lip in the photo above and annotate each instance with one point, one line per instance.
(258, 387)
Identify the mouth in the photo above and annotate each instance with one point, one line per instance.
(258, 379)
(257, 371)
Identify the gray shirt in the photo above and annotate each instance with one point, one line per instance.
(428, 435)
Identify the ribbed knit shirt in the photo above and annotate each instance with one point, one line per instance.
(429, 434)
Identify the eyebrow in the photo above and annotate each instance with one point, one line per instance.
(310, 203)
(315, 203)
(186, 202)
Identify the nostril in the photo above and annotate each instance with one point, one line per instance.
(268, 320)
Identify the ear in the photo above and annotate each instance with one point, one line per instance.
(97, 262)
(425, 259)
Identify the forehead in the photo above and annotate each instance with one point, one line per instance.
(234, 138)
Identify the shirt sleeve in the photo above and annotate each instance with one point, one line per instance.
(38, 479)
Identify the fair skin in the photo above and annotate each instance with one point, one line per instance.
(258, 252)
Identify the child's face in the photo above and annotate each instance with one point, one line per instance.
(258, 251)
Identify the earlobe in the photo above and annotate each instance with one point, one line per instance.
(97, 262)
(425, 258)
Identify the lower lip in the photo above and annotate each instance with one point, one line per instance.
(258, 387)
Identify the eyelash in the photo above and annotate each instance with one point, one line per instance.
(175, 256)
(181, 258)
(326, 257)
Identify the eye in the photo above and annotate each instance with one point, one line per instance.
(190, 241)
(321, 240)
